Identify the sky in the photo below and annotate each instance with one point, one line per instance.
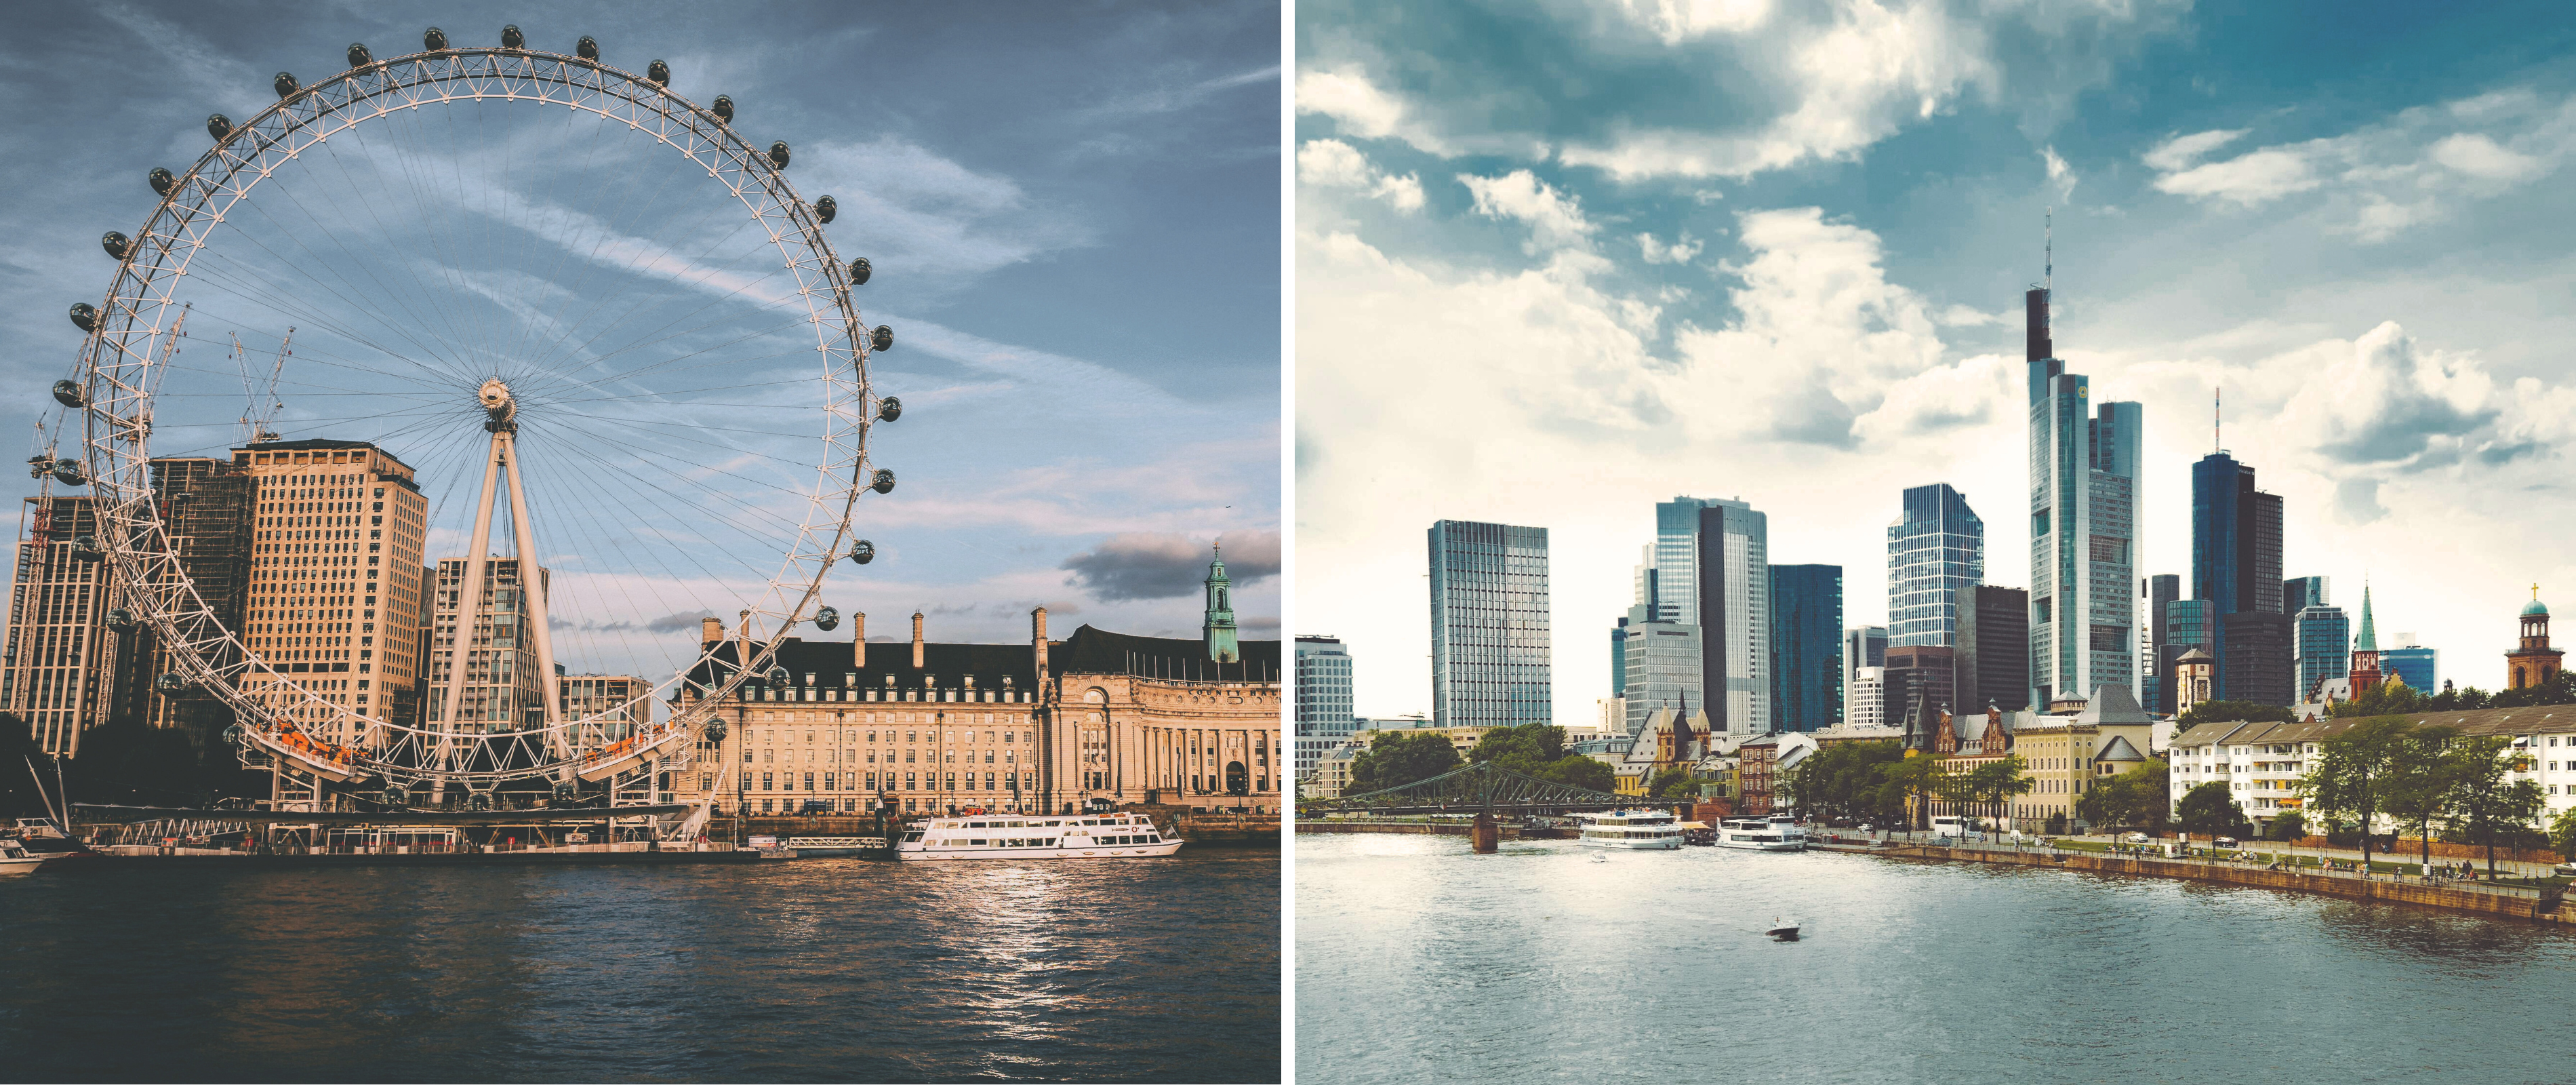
(1557, 262)
(1080, 262)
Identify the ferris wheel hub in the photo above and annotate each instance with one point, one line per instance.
(501, 410)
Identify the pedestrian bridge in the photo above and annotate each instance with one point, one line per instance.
(1478, 788)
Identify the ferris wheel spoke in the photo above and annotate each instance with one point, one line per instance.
(411, 269)
(339, 240)
(746, 512)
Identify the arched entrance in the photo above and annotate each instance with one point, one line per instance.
(1238, 780)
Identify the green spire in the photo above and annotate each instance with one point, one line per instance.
(2368, 641)
(1218, 630)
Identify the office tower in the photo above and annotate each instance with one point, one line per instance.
(2084, 493)
(1864, 646)
(1936, 551)
(2325, 641)
(1324, 714)
(2301, 592)
(1619, 658)
(1865, 705)
(2189, 624)
(1663, 671)
(1918, 676)
(2157, 685)
(1994, 650)
(209, 509)
(59, 671)
(1712, 570)
(333, 600)
(2236, 565)
(615, 705)
(502, 690)
(1323, 686)
(1489, 624)
(1806, 647)
(2412, 662)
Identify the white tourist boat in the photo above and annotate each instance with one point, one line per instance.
(1027, 836)
(1652, 830)
(1761, 834)
(16, 859)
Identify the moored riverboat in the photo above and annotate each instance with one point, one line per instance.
(1026, 836)
(1761, 834)
(1638, 830)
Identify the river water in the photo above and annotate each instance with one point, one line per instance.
(1418, 962)
(816, 969)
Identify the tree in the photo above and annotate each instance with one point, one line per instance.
(2346, 777)
(2210, 810)
(1577, 770)
(1996, 782)
(1673, 783)
(1397, 758)
(2559, 689)
(2289, 828)
(2231, 712)
(2392, 697)
(1918, 779)
(2562, 834)
(1840, 780)
(1529, 748)
(2484, 799)
(2417, 785)
(2133, 797)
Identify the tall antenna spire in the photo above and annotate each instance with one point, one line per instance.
(2216, 444)
(2048, 256)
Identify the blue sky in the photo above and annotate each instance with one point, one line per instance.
(1559, 261)
(1072, 211)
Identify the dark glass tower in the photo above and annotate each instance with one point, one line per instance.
(2159, 590)
(1806, 647)
(2236, 567)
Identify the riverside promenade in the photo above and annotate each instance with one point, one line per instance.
(2479, 897)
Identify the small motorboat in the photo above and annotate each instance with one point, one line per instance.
(16, 859)
(1600, 856)
(1785, 930)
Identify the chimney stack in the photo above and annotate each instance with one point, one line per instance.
(916, 639)
(859, 639)
(1037, 634)
(710, 630)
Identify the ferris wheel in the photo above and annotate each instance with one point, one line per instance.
(469, 287)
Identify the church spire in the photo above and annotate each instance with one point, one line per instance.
(1218, 629)
(2369, 638)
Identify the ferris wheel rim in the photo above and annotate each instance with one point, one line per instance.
(116, 445)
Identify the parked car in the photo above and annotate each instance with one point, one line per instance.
(2225, 842)
(2135, 838)
(2564, 870)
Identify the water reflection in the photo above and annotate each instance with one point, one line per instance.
(811, 970)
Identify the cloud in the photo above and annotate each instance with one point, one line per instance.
(2247, 179)
(2060, 175)
(1154, 565)
(683, 620)
(2383, 403)
(1555, 219)
(1331, 163)
(2180, 152)
(1361, 109)
(1681, 251)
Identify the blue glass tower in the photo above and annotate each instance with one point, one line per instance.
(1936, 551)
(2414, 663)
(2083, 536)
(1489, 625)
(1806, 647)
(2325, 648)
(2236, 566)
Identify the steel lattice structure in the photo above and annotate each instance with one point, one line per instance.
(120, 367)
(1479, 786)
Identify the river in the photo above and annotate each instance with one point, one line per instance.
(1417, 961)
(811, 970)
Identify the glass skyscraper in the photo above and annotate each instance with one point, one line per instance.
(1324, 719)
(2414, 663)
(2189, 624)
(1712, 570)
(2083, 537)
(1806, 647)
(2301, 592)
(1936, 551)
(1489, 625)
(2236, 564)
(2325, 647)
(2158, 682)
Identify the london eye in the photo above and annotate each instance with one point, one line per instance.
(523, 365)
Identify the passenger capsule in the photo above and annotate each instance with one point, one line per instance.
(567, 791)
(85, 316)
(778, 154)
(172, 683)
(397, 795)
(859, 270)
(480, 800)
(586, 48)
(233, 734)
(219, 126)
(884, 482)
(658, 72)
(285, 84)
(827, 619)
(69, 394)
(890, 409)
(86, 548)
(120, 619)
(777, 676)
(714, 729)
(359, 57)
(433, 40)
(864, 552)
(115, 244)
(881, 339)
(825, 208)
(68, 472)
(512, 39)
(162, 181)
(724, 109)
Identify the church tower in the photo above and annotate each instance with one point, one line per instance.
(2535, 662)
(1218, 630)
(2365, 650)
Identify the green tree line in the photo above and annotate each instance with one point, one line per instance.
(2419, 776)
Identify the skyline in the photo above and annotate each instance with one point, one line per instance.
(1807, 298)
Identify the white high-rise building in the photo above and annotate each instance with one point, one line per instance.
(2084, 475)
(1865, 698)
(1324, 720)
